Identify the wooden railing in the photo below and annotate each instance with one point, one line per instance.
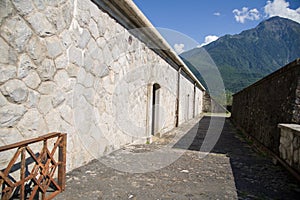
(34, 175)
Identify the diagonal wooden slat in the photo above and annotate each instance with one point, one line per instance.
(6, 179)
(45, 168)
(56, 145)
(12, 162)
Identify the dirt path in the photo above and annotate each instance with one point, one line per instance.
(232, 170)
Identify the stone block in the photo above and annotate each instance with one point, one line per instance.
(89, 94)
(7, 72)
(65, 127)
(283, 153)
(32, 124)
(93, 50)
(283, 133)
(3, 100)
(107, 57)
(296, 142)
(83, 17)
(83, 115)
(6, 9)
(88, 61)
(75, 56)
(116, 53)
(55, 16)
(283, 141)
(23, 7)
(123, 46)
(101, 24)
(123, 61)
(70, 97)
(46, 70)
(40, 4)
(36, 49)
(66, 113)
(10, 115)
(33, 99)
(67, 13)
(66, 39)
(84, 5)
(16, 32)
(15, 91)
(81, 76)
(89, 80)
(72, 70)
(61, 78)
(95, 12)
(10, 136)
(290, 153)
(58, 98)
(53, 121)
(61, 62)
(47, 88)
(4, 51)
(101, 42)
(290, 136)
(45, 104)
(296, 157)
(83, 38)
(32, 80)
(40, 24)
(54, 46)
(94, 29)
(99, 69)
(25, 64)
(56, 3)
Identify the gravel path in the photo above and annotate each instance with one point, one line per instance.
(232, 170)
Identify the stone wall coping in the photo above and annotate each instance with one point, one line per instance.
(294, 127)
(292, 65)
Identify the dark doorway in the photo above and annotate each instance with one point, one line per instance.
(155, 108)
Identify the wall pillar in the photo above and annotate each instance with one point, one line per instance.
(177, 98)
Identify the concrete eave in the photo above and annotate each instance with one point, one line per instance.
(130, 16)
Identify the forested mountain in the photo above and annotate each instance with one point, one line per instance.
(245, 58)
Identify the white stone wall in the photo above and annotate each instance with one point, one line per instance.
(198, 102)
(167, 98)
(66, 66)
(186, 102)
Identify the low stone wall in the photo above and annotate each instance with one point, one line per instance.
(289, 148)
(259, 108)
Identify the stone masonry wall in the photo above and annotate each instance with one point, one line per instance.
(275, 99)
(67, 66)
(289, 149)
(210, 105)
(199, 101)
(185, 100)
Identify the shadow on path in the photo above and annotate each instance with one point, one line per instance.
(256, 177)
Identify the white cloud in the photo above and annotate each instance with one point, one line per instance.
(179, 48)
(217, 14)
(281, 8)
(208, 39)
(244, 14)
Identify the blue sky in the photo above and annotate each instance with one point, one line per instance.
(208, 19)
